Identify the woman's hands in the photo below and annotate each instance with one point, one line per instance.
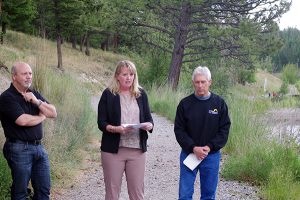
(118, 129)
(147, 126)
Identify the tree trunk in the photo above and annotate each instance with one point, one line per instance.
(104, 44)
(42, 28)
(59, 52)
(179, 45)
(116, 41)
(73, 38)
(42, 32)
(87, 45)
(82, 41)
(58, 36)
(3, 31)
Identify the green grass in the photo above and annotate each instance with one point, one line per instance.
(245, 131)
(69, 133)
(5, 179)
(164, 101)
(281, 185)
(255, 158)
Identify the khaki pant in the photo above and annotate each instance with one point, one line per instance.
(128, 160)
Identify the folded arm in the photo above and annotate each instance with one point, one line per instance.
(30, 120)
(47, 109)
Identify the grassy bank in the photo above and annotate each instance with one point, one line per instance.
(256, 158)
(67, 136)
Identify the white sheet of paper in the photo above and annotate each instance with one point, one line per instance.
(191, 161)
(136, 126)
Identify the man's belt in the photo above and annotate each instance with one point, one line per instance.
(34, 142)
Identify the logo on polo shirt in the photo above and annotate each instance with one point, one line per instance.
(214, 111)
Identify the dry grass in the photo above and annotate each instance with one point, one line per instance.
(256, 89)
(95, 70)
(4, 80)
(273, 83)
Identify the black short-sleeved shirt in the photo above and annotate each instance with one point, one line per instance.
(12, 106)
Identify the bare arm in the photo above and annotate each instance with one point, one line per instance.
(118, 129)
(30, 120)
(47, 109)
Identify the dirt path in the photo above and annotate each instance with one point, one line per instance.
(162, 172)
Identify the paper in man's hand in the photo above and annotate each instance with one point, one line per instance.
(191, 161)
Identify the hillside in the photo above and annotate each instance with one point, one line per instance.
(94, 70)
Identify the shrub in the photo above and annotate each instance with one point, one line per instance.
(290, 74)
(156, 70)
(284, 88)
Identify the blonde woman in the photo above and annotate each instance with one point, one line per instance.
(124, 118)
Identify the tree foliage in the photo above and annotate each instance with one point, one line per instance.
(195, 30)
(16, 15)
(188, 31)
(290, 51)
(58, 18)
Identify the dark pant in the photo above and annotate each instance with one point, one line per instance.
(28, 162)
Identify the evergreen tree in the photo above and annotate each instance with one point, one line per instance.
(290, 51)
(58, 18)
(195, 30)
(17, 15)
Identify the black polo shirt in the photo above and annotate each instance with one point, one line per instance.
(12, 106)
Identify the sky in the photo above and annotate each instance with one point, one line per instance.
(292, 17)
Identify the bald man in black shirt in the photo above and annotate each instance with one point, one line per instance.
(22, 111)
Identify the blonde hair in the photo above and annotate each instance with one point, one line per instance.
(115, 85)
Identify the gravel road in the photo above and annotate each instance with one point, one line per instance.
(161, 177)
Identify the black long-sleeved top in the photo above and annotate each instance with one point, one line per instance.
(109, 112)
(202, 122)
